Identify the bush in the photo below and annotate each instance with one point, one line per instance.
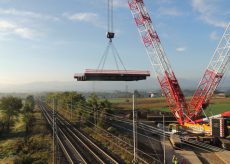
(24, 159)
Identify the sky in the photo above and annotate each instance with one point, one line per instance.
(50, 40)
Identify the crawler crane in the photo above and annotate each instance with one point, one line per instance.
(185, 114)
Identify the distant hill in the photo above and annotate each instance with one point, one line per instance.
(147, 85)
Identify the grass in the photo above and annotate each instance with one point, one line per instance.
(36, 147)
(217, 105)
(9, 142)
(122, 151)
(218, 108)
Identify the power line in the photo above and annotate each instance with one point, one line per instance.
(144, 128)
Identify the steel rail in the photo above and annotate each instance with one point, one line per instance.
(66, 149)
(89, 141)
(62, 145)
(99, 154)
(74, 142)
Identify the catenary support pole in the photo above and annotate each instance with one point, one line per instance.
(134, 132)
(164, 135)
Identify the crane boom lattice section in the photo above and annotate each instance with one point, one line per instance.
(212, 76)
(169, 84)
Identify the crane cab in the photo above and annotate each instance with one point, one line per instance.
(174, 128)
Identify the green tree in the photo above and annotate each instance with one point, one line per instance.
(100, 110)
(27, 117)
(93, 103)
(27, 112)
(104, 110)
(30, 101)
(10, 107)
(137, 94)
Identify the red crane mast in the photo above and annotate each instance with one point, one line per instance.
(165, 75)
(212, 76)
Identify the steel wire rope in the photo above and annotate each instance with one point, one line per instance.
(103, 58)
(114, 56)
(117, 54)
(110, 21)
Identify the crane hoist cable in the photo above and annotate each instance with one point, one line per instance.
(101, 74)
(110, 33)
(110, 46)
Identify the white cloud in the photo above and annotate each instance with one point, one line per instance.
(180, 49)
(25, 24)
(25, 33)
(169, 11)
(30, 14)
(83, 17)
(8, 28)
(120, 4)
(214, 36)
(163, 1)
(116, 3)
(209, 12)
(88, 17)
(5, 25)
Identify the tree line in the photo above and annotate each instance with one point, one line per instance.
(91, 111)
(10, 109)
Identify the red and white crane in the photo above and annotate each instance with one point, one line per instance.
(165, 75)
(212, 76)
(170, 87)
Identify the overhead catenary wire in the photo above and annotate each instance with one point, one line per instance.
(122, 141)
(118, 139)
(160, 132)
(153, 130)
(153, 138)
(141, 134)
(188, 144)
(151, 145)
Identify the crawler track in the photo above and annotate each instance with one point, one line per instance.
(77, 147)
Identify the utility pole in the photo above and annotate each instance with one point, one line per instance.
(134, 132)
(164, 135)
(54, 133)
(71, 116)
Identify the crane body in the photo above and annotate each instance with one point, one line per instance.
(164, 73)
(212, 76)
(184, 113)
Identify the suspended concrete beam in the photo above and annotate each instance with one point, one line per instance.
(112, 75)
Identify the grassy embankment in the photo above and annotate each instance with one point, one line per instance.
(217, 105)
(19, 147)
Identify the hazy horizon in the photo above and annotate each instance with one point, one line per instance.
(151, 84)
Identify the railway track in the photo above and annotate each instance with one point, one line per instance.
(154, 130)
(201, 145)
(76, 147)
